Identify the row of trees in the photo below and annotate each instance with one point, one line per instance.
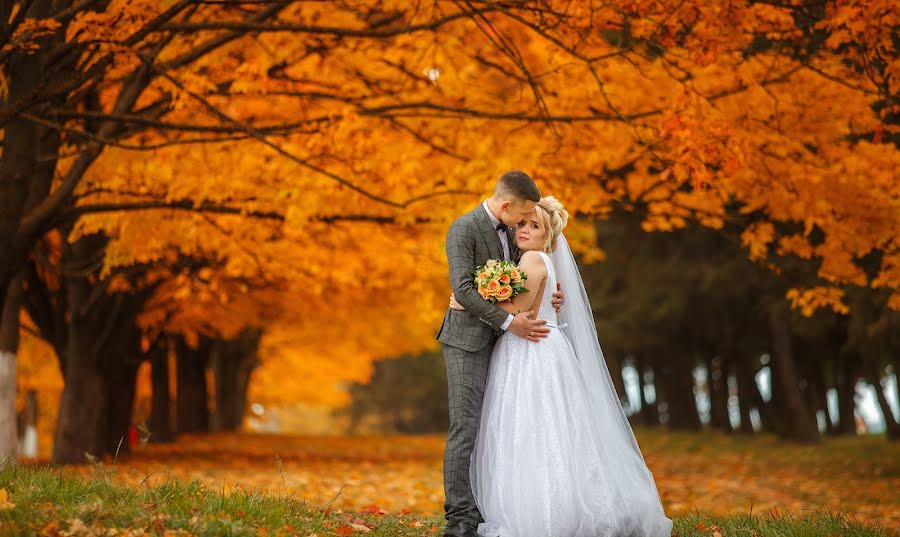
(668, 303)
(180, 170)
(100, 345)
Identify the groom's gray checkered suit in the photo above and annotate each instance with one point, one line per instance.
(467, 339)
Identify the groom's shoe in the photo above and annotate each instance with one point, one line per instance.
(461, 531)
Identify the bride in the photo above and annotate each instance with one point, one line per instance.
(555, 455)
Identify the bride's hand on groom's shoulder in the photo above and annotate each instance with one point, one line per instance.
(558, 299)
(524, 327)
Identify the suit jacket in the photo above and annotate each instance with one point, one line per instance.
(471, 242)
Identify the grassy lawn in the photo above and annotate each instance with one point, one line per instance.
(47, 501)
(707, 472)
(236, 483)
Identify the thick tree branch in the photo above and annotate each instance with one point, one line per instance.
(335, 31)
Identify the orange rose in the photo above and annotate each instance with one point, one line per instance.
(504, 278)
(504, 292)
(484, 275)
(516, 277)
(492, 286)
(483, 293)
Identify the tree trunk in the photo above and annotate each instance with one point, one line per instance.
(662, 383)
(9, 348)
(102, 343)
(800, 423)
(717, 383)
(82, 408)
(228, 387)
(846, 393)
(725, 396)
(890, 422)
(649, 412)
(160, 414)
(17, 161)
(683, 414)
(821, 391)
(746, 384)
(29, 444)
(121, 383)
(233, 362)
(190, 391)
(768, 419)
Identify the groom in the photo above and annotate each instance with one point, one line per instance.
(467, 337)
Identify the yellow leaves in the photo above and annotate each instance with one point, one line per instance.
(894, 301)
(795, 244)
(768, 18)
(759, 130)
(757, 238)
(838, 38)
(28, 32)
(813, 298)
(121, 19)
(5, 500)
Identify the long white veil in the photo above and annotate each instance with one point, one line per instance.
(554, 452)
(582, 333)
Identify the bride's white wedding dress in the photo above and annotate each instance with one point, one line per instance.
(554, 455)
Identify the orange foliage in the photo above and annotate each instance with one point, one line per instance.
(710, 473)
(395, 131)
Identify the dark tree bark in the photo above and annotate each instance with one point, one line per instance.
(98, 395)
(683, 414)
(101, 348)
(122, 379)
(82, 407)
(160, 423)
(191, 404)
(717, 381)
(846, 393)
(798, 419)
(233, 361)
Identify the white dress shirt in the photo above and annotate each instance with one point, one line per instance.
(504, 240)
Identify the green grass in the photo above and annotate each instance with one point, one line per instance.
(47, 502)
(799, 524)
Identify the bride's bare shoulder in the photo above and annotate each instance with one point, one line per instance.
(532, 263)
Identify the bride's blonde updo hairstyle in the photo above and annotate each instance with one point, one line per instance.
(552, 218)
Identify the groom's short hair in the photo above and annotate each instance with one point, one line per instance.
(517, 184)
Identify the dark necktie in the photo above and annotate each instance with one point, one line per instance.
(502, 227)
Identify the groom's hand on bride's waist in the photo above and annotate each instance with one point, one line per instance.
(558, 299)
(532, 330)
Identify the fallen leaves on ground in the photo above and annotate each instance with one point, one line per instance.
(707, 472)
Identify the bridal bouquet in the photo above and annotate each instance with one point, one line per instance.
(499, 281)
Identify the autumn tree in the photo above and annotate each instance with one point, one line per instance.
(317, 148)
